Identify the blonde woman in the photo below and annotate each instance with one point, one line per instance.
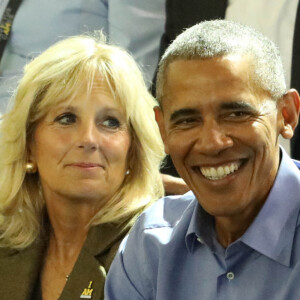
(79, 159)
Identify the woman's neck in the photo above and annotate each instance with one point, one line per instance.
(70, 220)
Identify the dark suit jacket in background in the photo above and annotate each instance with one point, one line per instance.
(295, 81)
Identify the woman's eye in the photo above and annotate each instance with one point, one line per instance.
(66, 119)
(112, 123)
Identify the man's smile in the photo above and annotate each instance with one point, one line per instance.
(221, 171)
(216, 173)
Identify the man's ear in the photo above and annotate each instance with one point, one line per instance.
(159, 117)
(289, 108)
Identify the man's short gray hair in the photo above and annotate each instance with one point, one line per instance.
(219, 38)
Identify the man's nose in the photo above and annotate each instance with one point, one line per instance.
(213, 138)
(87, 136)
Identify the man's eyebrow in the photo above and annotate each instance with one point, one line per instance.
(183, 112)
(237, 105)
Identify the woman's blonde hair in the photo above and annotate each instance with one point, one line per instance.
(56, 75)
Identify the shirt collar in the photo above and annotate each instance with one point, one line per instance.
(272, 231)
(201, 228)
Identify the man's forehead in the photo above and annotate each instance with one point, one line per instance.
(223, 82)
(233, 63)
(187, 75)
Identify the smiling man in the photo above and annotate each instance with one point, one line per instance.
(222, 105)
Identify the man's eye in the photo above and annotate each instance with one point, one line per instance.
(111, 123)
(66, 119)
(185, 121)
(238, 114)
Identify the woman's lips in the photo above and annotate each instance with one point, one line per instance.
(85, 165)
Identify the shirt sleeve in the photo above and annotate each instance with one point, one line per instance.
(134, 272)
(118, 283)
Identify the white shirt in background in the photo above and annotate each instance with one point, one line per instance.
(137, 26)
(276, 20)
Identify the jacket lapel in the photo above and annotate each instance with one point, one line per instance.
(89, 273)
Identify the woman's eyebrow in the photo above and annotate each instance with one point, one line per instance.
(68, 107)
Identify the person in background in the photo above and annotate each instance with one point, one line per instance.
(79, 159)
(131, 24)
(137, 26)
(223, 103)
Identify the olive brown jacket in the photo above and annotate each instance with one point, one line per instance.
(19, 269)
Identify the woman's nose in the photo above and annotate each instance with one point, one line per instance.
(87, 136)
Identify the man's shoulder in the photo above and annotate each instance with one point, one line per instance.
(162, 224)
(167, 211)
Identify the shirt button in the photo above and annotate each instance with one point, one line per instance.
(230, 275)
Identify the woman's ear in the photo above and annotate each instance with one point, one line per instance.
(289, 108)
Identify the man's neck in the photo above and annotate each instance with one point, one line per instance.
(229, 229)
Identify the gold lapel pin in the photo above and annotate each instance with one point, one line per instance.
(87, 292)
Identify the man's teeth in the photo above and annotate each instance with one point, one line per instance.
(219, 172)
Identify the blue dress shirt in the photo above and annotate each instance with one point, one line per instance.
(172, 252)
